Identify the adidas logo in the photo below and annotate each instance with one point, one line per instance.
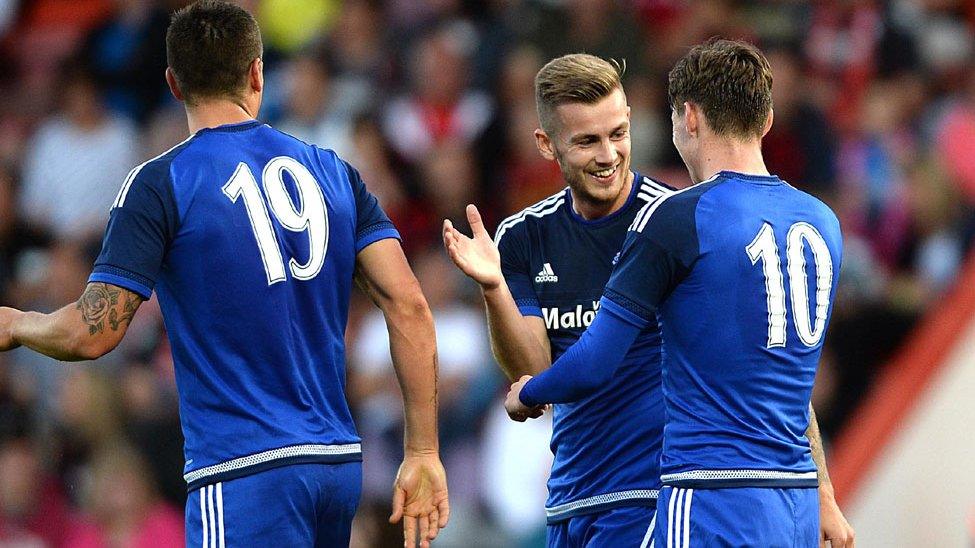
(546, 275)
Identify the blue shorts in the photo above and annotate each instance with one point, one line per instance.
(293, 505)
(738, 516)
(623, 526)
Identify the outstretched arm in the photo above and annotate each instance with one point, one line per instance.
(420, 490)
(85, 330)
(520, 343)
(833, 526)
(585, 367)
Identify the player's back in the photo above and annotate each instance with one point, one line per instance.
(743, 329)
(259, 240)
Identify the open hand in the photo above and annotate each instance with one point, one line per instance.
(477, 257)
(420, 498)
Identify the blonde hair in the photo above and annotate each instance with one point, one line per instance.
(574, 78)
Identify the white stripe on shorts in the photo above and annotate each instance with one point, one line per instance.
(649, 536)
(670, 517)
(220, 513)
(203, 516)
(213, 521)
(687, 519)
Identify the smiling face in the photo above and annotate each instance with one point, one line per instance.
(591, 143)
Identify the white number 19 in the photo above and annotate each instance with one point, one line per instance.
(764, 247)
(311, 216)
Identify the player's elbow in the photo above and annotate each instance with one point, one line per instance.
(409, 304)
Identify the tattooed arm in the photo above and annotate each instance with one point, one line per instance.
(85, 330)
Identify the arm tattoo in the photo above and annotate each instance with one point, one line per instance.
(101, 301)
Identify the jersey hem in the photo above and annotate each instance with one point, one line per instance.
(124, 282)
(372, 235)
(601, 503)
(717, 479)
(282, 456)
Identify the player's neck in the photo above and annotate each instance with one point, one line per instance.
(723, 154)
(218, 112)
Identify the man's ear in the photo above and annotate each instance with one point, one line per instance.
(768, 122)
(256, 75)
(173, 86)
(544, 144)
(691, 118)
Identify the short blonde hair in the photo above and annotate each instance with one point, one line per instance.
(574, 78)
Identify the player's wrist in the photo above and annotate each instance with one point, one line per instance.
(421, 451)
(826, 493)
(491, 290)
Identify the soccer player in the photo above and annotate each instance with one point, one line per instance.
(713, 264)
(251, 240)
(541, 286)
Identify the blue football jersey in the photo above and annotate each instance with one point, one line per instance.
(249, 238)
(556, 264)
(741, 271)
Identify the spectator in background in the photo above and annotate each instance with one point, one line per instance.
(127, 57)
(800, 148)
(387, 174)
(524, 177)
(290, 25)
(15, 236)
(440, 108)
(360, 55)
(33, 508)
(871, 175)
(151, 423)
(121, 508)
(76, 162)
(527, 178)
(87, 418)
(955, 143)
(314, 111)
(449, 180)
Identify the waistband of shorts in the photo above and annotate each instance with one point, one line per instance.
(716, 479)
(273, 458)
(599, 503)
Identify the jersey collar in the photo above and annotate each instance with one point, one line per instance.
(634, 189)
(239, 126)
(761, 179)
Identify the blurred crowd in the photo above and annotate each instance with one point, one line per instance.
(432, 100)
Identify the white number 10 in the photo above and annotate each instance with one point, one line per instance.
(311, 216)
(764, 247)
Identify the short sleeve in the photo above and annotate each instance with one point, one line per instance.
(658, 253)
(372, 223)
(515, 259)
(142, 223)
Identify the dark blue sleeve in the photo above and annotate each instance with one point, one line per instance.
(658, 254)
(141, 225)
(590, 362)
(516, 268)
(372, 223)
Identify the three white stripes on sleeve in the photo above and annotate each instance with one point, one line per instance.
(211, 510)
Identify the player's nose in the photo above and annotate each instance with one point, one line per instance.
(606, 153)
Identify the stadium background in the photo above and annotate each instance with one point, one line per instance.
(432, 101)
